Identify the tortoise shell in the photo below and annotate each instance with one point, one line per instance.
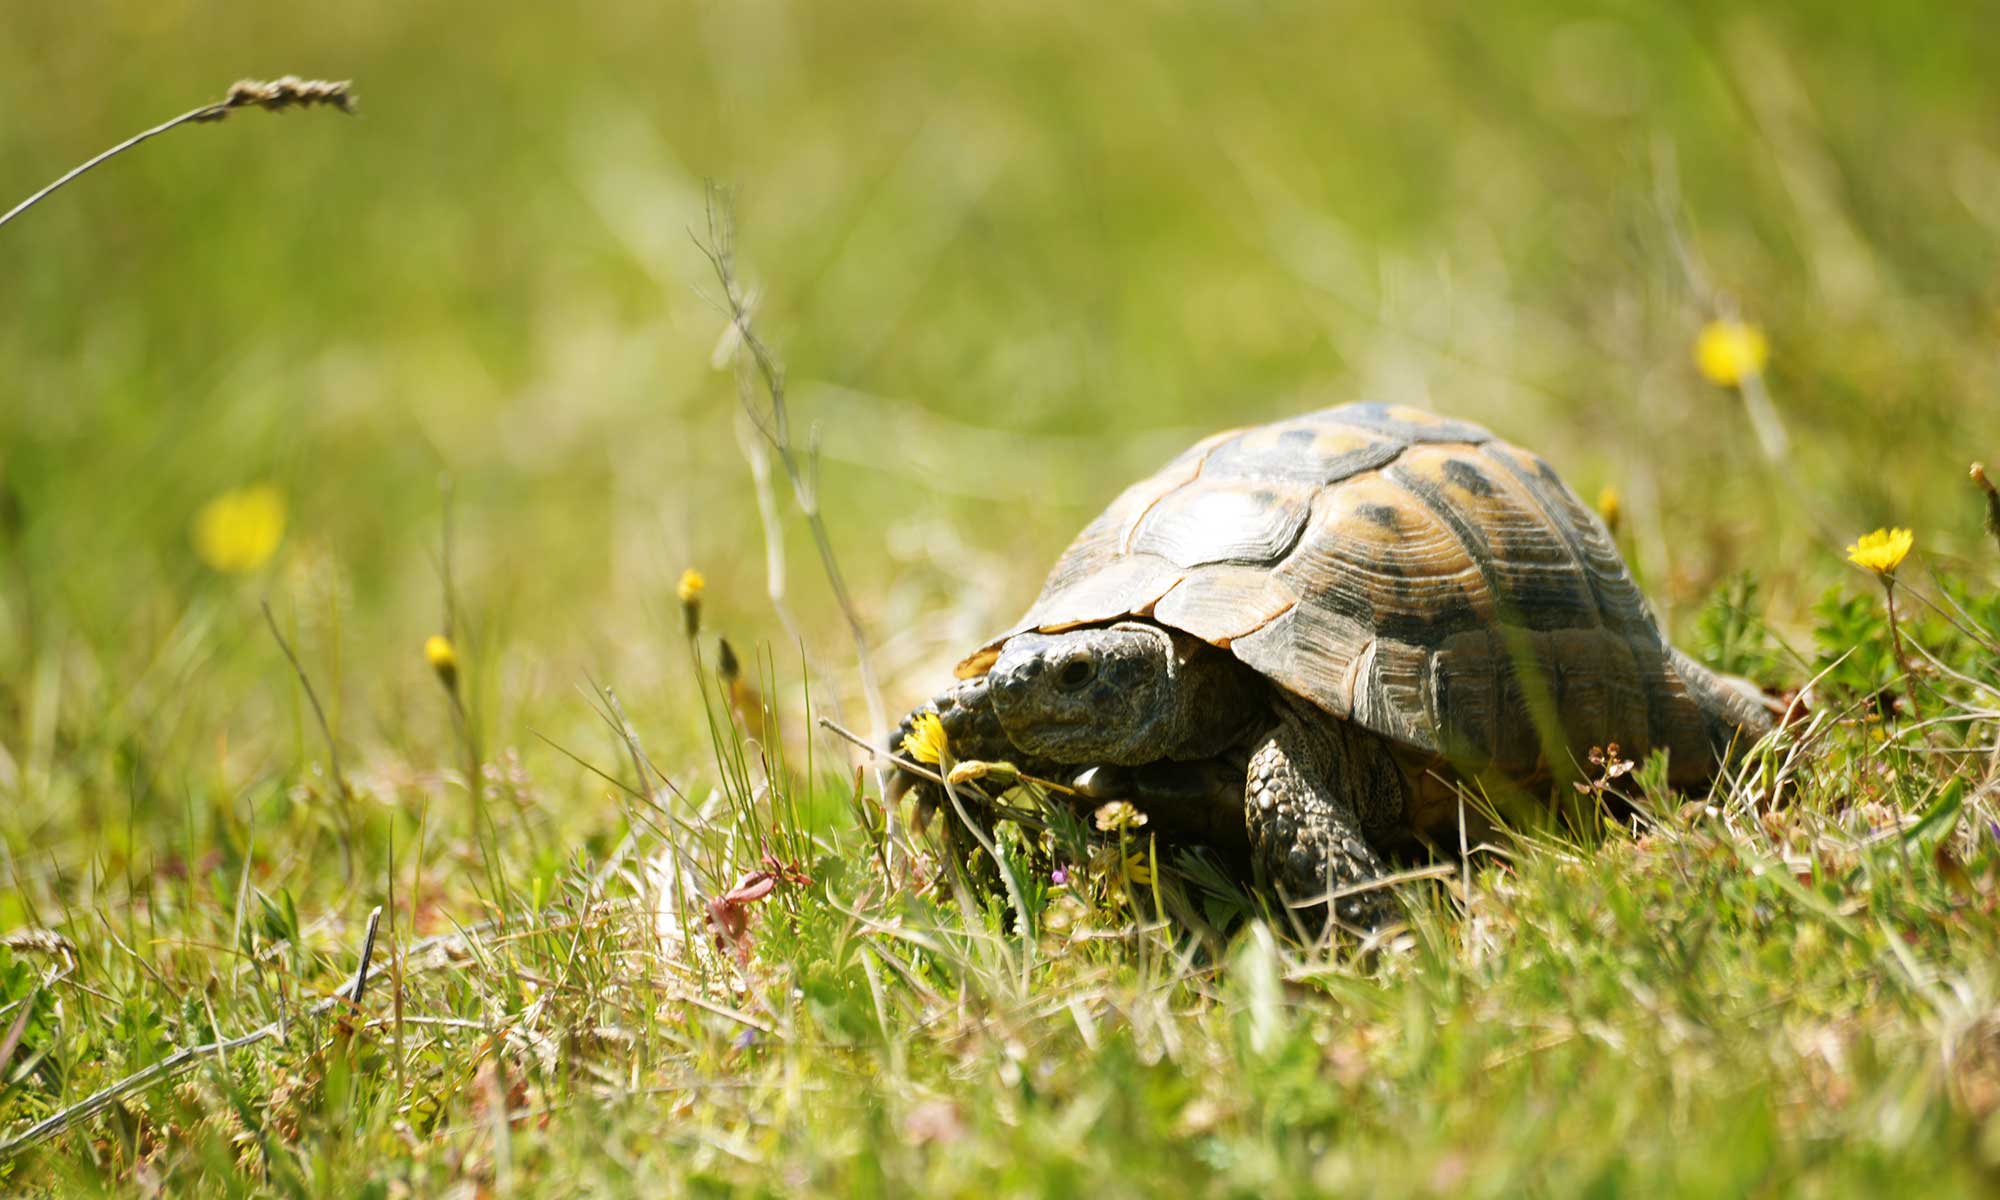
(1412, 574)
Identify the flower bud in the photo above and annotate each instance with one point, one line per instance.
(689, 590)
(443, 658)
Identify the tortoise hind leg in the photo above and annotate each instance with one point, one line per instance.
(1312, 790)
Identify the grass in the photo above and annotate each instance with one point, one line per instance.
(1013, 259)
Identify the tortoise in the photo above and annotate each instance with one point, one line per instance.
(1306, 632)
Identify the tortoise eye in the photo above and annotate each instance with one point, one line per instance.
(1075, 674)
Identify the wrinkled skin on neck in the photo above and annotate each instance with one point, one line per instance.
(1120, 695)
(1174, 740)
(1123, 694)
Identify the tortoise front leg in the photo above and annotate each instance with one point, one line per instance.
(1311, 790)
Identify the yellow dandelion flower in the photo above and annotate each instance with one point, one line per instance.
(238, 531)
(1610, 507)
(689, 590)
(1729, 352)
(1882, 551)
(443, 658)
(1118, 815)
(925, 741)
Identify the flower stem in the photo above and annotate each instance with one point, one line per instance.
(289, 92)
(1896, 640)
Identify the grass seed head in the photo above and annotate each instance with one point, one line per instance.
(277, 95)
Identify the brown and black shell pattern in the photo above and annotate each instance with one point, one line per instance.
(1410, 573)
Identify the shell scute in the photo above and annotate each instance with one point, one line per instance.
(1316, 653)
(1252, 522)
(1223, 603)
(1618, 598)
(1410, 426)
(1303, 450)
(1528, 565)
(1377, 554)
(1408, 572)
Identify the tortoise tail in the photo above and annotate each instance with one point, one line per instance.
(1736, 709)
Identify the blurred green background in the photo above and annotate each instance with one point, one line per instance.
(1014, 255)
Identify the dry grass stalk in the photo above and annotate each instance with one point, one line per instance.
(275, 95)
(340, 787)
(346, 997)
(774, 422)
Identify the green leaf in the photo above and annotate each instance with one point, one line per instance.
(1941, 815)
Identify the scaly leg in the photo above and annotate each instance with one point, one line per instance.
(1313, 787)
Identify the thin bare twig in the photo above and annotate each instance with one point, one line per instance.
(869, 748)
(319, 713)
(347, 995)
(878, 754)
(775, 424)
(757, 454)
(275, 95)
(360, 984)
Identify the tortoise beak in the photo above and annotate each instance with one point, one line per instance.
(1010, 683)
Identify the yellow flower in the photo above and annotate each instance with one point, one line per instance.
(1882, 551)
(443, 657)
(1118, 815)
(689, 590)
(1729, 352)
(925, 741)
(1609, 507)
(238, 531)
(1138, 870)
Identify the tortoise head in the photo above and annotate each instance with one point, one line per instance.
(1125, 694)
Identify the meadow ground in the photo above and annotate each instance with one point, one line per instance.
(1013, 256)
